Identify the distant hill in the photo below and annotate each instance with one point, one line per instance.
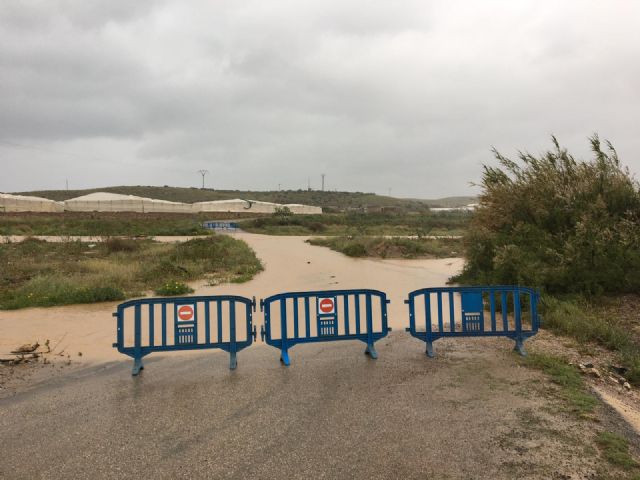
(337, 200)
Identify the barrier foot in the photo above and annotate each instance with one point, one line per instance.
(284, 358)
(520, 347)
(233, 361)
(137, 366)
(430, 353)
(371, 351)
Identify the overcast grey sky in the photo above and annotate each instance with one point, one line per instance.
(407, 95)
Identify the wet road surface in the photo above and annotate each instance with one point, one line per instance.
(334, 413)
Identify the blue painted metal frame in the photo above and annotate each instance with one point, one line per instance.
(221, 225)
(368, 336)
(144, 313)
(472, 323)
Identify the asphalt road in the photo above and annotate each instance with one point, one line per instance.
(334, 413)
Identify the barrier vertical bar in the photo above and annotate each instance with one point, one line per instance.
(452, 320)
(357, 303)
(412, 313)
(207, 326)
(284, 354)
(120, 333)
(371, 350)
(152, 333)
(346, 314)
(295, 317)
(505, 312)
(440, 327)
(517, 313)
(428, 337)
(137, 341)
(163, 313)
(492, 304)
(307, 320)
(219, 319)
(233, 346)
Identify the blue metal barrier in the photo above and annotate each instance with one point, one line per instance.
(465, 309)
(221, 226)
(324, 316)
(184, 323)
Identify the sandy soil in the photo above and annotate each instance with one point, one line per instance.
(290, 265)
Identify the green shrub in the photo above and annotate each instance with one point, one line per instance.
(555, 222)
(50, 290)
(115, 244)
(174, 288)
(355, 249)
(616, 450)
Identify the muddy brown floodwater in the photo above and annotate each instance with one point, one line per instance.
(290, 265)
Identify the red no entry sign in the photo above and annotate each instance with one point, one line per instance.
(186, 313)
(326, 306)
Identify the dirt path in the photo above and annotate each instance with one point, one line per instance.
(290, 265)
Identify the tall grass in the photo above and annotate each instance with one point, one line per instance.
(577, 318)
(567, 377)
(354, 224)
(390, 247)
(102, 224)
(37, 273)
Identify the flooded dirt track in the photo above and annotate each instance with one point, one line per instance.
(290, 265)
(335, 413)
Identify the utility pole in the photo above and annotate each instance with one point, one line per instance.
(67, 182)
(323, 182)
(308, 184)
(203, 173)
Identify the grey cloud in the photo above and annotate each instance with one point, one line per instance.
(409, 96)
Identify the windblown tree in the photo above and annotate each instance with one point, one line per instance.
(558, 223)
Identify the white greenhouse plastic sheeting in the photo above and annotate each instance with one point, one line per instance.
(114, 202)
(235, 205)
(299, 209)
(252, 206)
(21, 203)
